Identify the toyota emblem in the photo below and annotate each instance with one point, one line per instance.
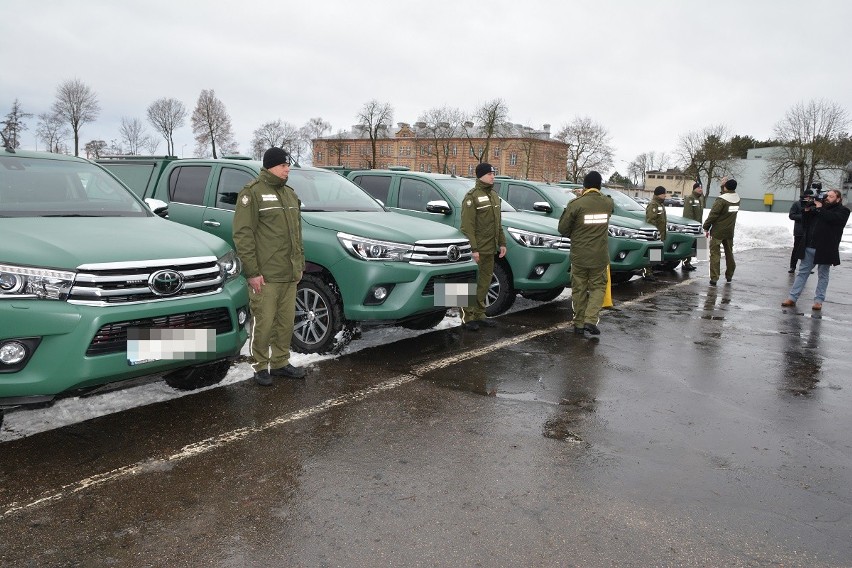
(165, 282)
(453, 253)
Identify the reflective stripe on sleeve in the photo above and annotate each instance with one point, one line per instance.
(595, 218)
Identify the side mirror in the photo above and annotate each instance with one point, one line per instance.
(160, 208)
(542, 206)
(439, 206)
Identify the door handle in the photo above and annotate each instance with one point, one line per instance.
(212, 223)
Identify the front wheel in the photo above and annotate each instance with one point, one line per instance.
(501, 293)
(191, 378)
(319, 316)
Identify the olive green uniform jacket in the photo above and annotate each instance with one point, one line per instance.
(655, 214)
(480, 219)
(723, 216)
(268, 230)
(693, 207)
(586, 222)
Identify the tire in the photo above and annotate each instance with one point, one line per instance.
(544, 295)
(319, 316)
(425, 322)
(501, 292)
(191, 378)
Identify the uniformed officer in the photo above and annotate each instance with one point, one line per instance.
(268, 238)
(480, 223)
(693, 208)
(586, 222)
(655, 214)
(719, 227)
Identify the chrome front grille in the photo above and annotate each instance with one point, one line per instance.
(647, 234)
(564, 244)
(441, 252)
(131, 282)
(690, 229)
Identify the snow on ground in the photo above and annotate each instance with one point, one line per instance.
(754, 230)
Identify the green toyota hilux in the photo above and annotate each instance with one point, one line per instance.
(634, 243)
(537, 262)
(363, 264)
(95, 288)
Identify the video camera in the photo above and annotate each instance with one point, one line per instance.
(815, 193)
(819, 194)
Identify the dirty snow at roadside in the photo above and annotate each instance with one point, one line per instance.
(754, 230)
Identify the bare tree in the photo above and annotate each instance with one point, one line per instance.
(442, 124)
(167, 115)
(14, 124)
(706, 153)
(313, 129)
(492, 120)
(211, 125)
(151, 143)
(375, 118)
(338, 145)
(589, 147)
(809, 135)
(645, 162)
(52, 131)
(277, 133)
(95, 149)
(76, 104)
(132, 134)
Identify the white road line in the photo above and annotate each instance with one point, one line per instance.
(227, 438)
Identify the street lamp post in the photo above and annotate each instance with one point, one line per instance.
(183, 151)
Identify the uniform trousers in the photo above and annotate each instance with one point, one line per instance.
(273, 311)
(588, 287)
(483, 282)
(716, 258)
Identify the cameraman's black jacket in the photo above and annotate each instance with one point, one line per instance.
(824, 230)
(796, 211)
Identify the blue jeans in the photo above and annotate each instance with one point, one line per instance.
(805, 267)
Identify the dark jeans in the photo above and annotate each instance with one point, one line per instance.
(798, 251)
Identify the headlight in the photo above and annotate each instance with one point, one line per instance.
(677, 228)
(230, 265)
(535, 240)
(371, 249)
(623, 232)
(28, 282)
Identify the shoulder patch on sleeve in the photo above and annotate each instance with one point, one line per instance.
(245, 200)
(469, 202)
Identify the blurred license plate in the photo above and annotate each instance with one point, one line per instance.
(656, 255)
(701, 250)
(455, 294)
(145, 345)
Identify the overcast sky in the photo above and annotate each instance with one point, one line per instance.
(648, 71)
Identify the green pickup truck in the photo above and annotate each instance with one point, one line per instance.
(537, 261)
(633, 246)
(364, 264)
(96, 289)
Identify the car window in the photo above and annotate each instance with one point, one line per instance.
(623, 201)
(414, 194)
(377, 186)
(39, 187)
(136, 176)
(231, 181)
(187, 184)
(522, 197)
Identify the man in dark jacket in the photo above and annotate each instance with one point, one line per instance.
(586, 222)
(693, 208)
(796, 211)
(268, 238)
(481, 224)
(822, 246)
(719, 227)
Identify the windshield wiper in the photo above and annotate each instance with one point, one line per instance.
(69, 215)
(312, 210)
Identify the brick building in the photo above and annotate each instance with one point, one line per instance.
(521, 152)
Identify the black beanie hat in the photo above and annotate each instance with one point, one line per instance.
(731, 185)
(695, 186)
(659, 190)
(592, 179)
(483, 169)
(808, 192)
(275, 157)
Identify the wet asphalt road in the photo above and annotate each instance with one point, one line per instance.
(706, 427)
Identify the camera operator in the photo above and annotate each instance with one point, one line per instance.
(824, 223)
(796, 210)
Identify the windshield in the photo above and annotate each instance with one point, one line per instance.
(623, 201)
(329, 191)
(44, 187)
(458, 188)
(558, 194)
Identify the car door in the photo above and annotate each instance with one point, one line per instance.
(187, 188)
(219, 216)
(523, 198)
(411, 198)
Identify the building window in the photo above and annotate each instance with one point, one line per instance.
(455, 151)
(497, 152)
(470, 169)
(471, 152)
(453, 169)
(348, 150)
(669, 177)
(513, 159)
